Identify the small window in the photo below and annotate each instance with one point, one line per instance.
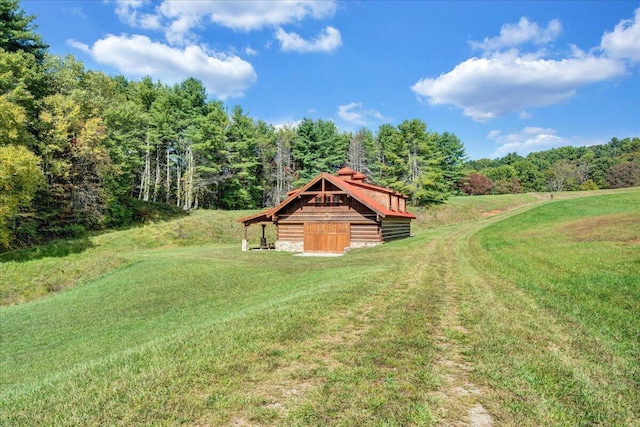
(327, 200)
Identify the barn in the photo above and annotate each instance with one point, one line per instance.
(333, 213)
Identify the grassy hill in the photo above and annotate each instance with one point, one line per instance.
(519, 310)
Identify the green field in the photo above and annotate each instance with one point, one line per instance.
(504, 310)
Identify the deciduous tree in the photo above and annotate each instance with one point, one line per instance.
(20, 177)
(626, 174)
(561, 174)
(477, 184)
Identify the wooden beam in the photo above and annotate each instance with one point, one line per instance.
(316, 193)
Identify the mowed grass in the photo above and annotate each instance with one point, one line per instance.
(29, 274)
(557, 333)
(536, 306)
(215, 336)
(34, 273)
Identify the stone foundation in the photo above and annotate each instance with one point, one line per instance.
(289, 246)
(358, 245)
(298, 246)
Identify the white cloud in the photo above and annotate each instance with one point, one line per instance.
(513, 35)
(137, 56)
(328, 40)
(79, 45)
(127, 11)
(494, 134)
(280, 124)
(179, 30)
(353, 113)
(249, 15)
(250, 51)
(507, 80)
(624, 41)
(180, 18)
(528, 140)
(486, 88)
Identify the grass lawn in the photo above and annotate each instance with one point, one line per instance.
(515, 310)
(561, 340)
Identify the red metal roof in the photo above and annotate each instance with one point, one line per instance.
(349, 186)
(346, 171)
(377, 207)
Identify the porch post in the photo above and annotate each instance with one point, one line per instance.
(245, 241)
(263, 240)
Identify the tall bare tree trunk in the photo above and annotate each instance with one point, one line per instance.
(413, 164)
(156, 184)
(146, 177)
(188, 180)
(167, 184)
(355, 153)
(280, 172)
(282, 160)
(178, 184)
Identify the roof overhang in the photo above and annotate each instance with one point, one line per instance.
(348, 187)
(259, 218)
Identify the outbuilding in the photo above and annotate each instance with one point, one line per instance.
(332, 214)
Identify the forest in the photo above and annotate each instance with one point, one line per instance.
(81, 150)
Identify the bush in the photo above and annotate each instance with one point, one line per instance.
(477, 185)
(623, 175)
(589, 185)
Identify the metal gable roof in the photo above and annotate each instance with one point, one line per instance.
(350, 187)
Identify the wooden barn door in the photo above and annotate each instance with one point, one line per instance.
(326, 236)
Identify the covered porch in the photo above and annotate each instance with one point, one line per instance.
(263, 220)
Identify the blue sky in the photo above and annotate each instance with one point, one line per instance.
(503, 76)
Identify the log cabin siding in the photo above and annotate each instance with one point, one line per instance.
(395, 228)
(290, 232)
(368, 233)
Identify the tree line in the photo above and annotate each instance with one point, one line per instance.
(615, 164)
(80, 150)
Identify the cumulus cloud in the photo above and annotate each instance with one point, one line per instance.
(527, 140)
(512, 35)
(355, 114)
(179, 19)
(328, 40)
(137, 56)
(624, 41)
(128, 12)
(506, 80)
(487, 88)
(249, 15)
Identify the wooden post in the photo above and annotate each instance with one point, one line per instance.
(245, 241)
